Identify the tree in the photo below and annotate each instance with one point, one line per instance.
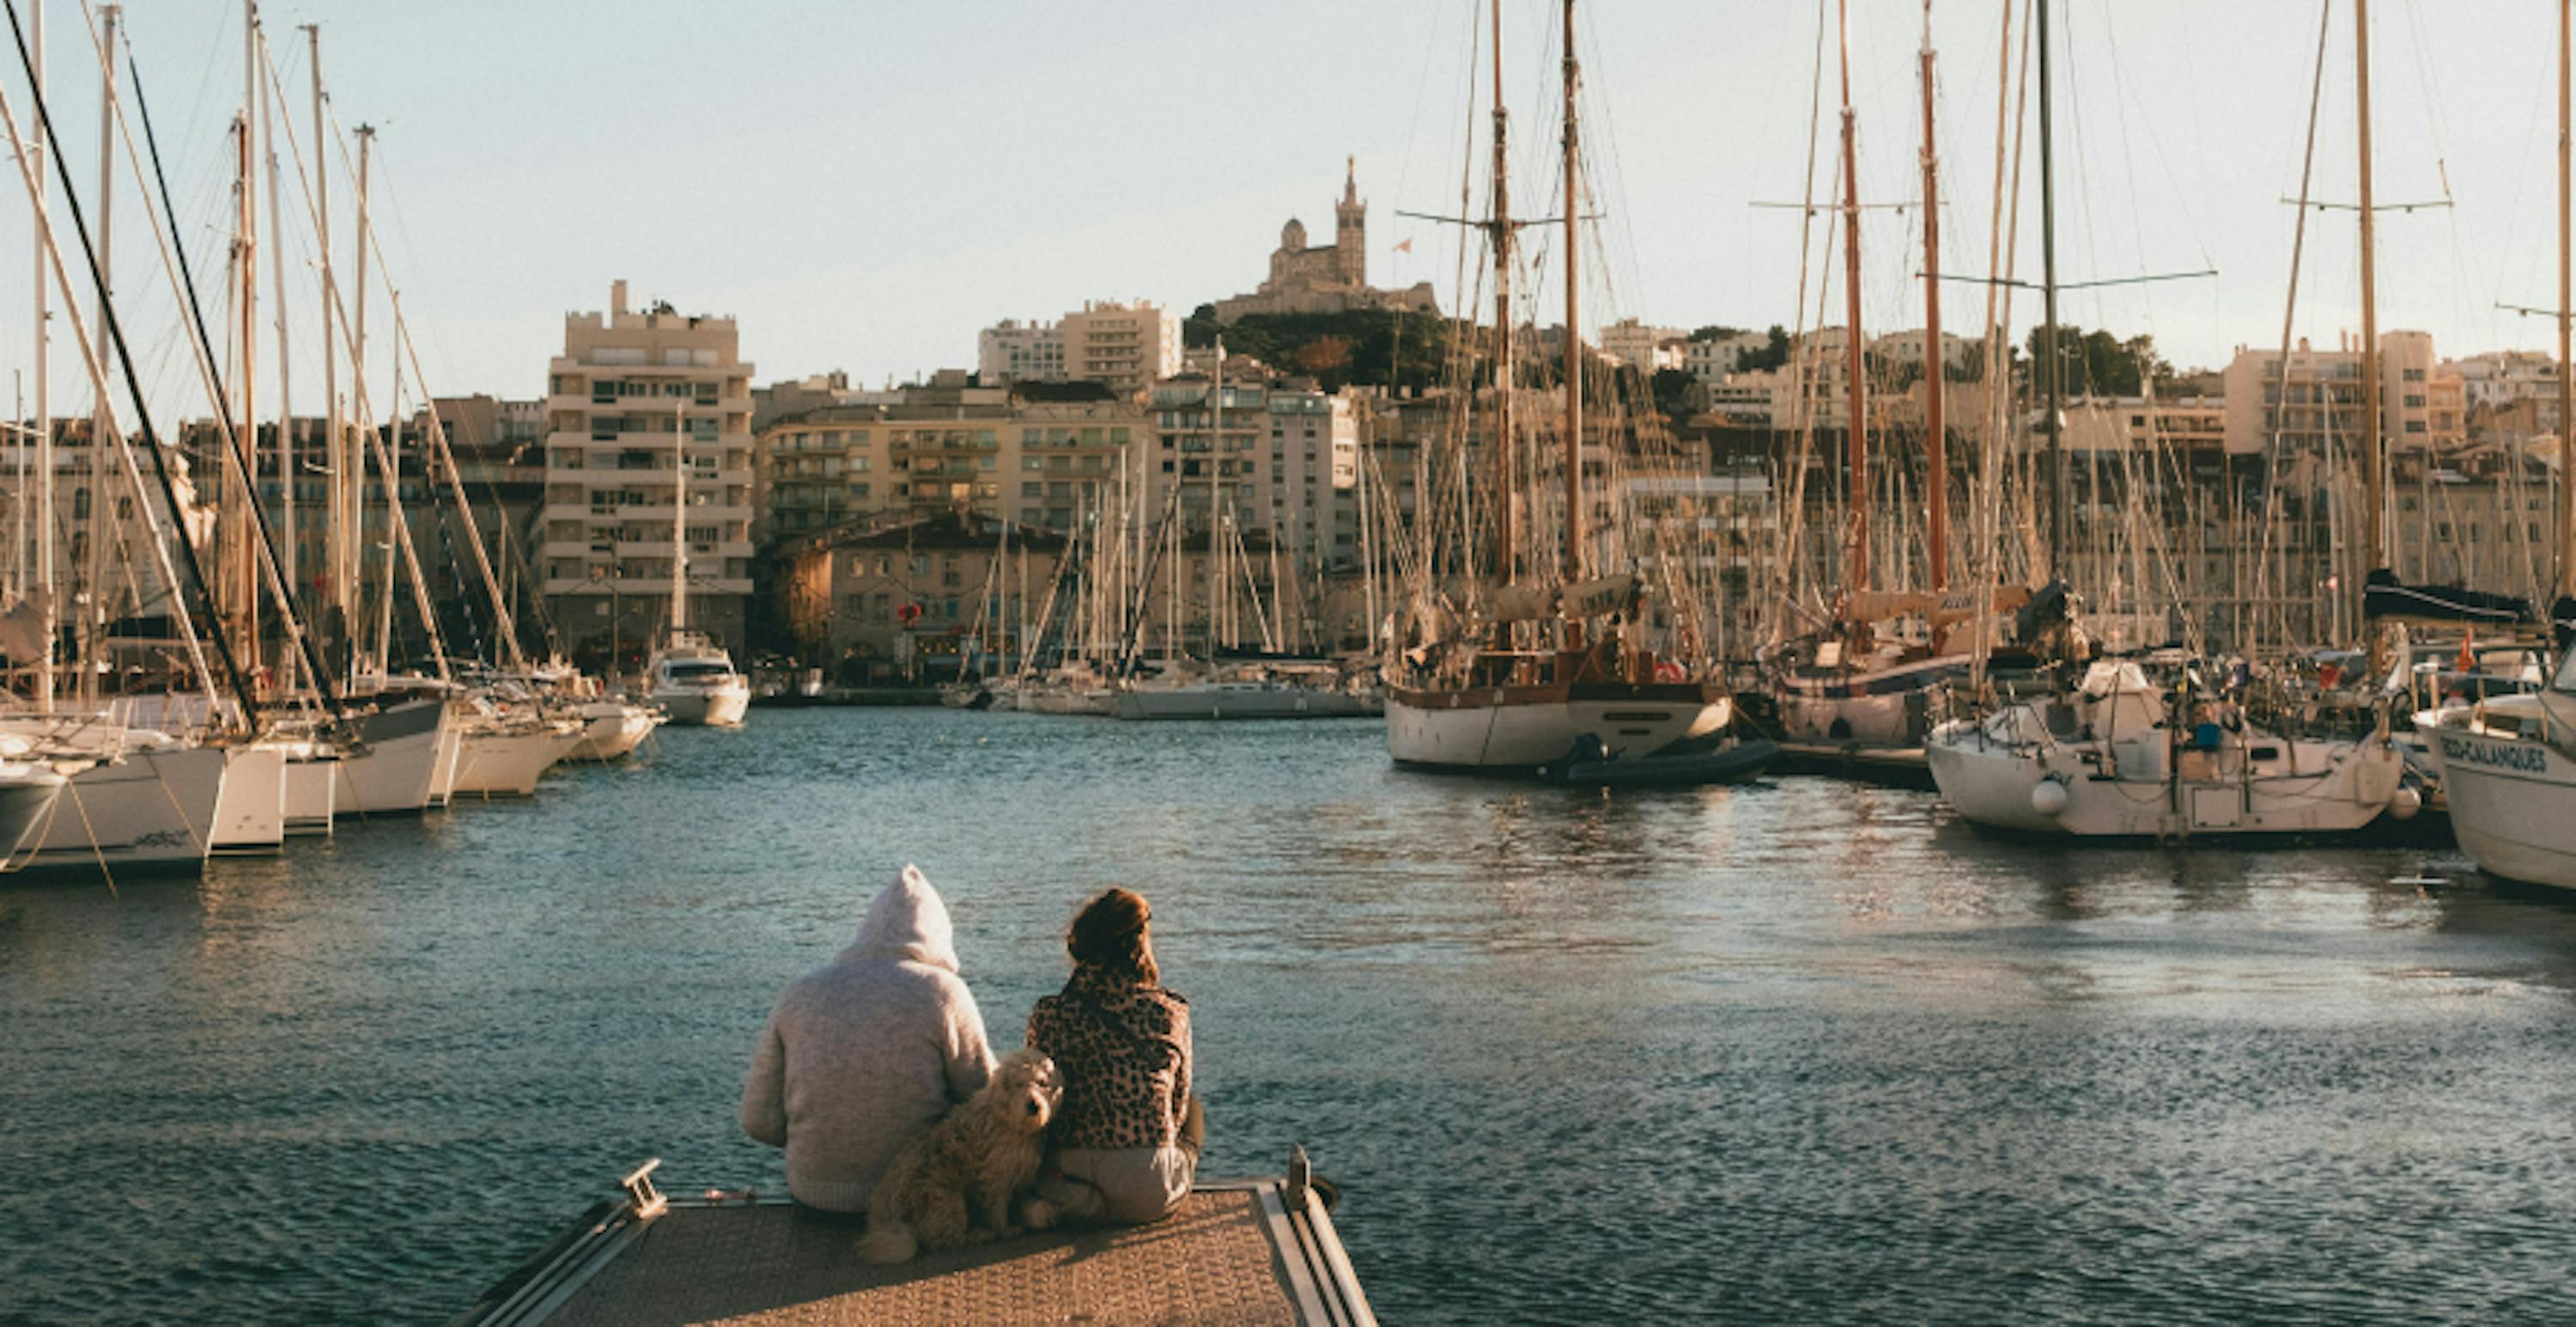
(1773, 353)
(1327, 358)
(1672, 391)
(2097, 363)
(1716, 332)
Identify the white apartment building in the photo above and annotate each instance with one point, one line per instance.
(2502, 377)
(1906, 347)
(2420, 408)
(1641, 347)
(1286, 463)
(1014, 351)
(1712, 360)
(631, 397)
(1127, 347)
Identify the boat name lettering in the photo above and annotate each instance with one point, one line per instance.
(2528, 759)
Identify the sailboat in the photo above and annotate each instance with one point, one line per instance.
(2508, 764)
(2112, 753)
(690, 675)
(1556, 672)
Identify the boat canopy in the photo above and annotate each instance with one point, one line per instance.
(2384, 596)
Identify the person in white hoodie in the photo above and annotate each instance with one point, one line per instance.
(867, 1051)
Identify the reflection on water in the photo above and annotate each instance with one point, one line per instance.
(1789, 1051)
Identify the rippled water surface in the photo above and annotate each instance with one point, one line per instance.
(1797, 1050)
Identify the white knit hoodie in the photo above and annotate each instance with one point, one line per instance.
(866, 1051)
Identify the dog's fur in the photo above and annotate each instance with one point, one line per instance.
(953, 1186)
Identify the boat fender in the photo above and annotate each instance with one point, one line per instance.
(2405, 802)
(2048, 797)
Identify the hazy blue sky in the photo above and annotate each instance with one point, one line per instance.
(864, 185)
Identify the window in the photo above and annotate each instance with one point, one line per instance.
(1033, 463)
(1032, 489)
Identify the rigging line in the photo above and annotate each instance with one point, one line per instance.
(2289, 316)
(134, 391)
(1795, 368)
(242, 450)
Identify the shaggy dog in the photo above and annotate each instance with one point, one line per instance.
(953, 1186)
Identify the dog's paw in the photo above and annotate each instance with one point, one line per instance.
(1037, 1213)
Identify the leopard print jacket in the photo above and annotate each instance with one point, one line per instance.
(1124, 1051)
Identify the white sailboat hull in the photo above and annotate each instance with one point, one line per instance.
(27, 794)
(150, 811)
(250, 817)
(311, 777)
(395, 770)
(1468, 730)
(2513, 804)
(612, 729)
(508, 764)
(2323, 788)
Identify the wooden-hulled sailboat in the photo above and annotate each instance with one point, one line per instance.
(1579, 684)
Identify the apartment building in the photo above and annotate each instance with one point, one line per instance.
(1285, 463)
(633, 397)
(1017, 453)
(1014, 351)
(1125, 347)
(2318, 410)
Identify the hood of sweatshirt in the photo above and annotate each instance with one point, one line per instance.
(907, 920)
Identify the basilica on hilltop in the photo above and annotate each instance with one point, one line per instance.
(1330, 279)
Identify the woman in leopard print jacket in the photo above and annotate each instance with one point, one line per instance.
(1122, 1043)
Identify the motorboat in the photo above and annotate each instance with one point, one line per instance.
(694, 681)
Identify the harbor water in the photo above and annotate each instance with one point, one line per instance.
(1791, 1051)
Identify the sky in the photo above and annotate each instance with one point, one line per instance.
(864, 185)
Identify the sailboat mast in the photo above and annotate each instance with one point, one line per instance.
(680, 516)
(45, 516)
(1506, 493)
(2566, 376)
(358, 373)
(102, 522)
(246, 314)
(1936, 462)
(1216, 448)
(2374, 451)
(288, 473)
(337, 455)
(2053, 371)
(1573, 335)
(1855, 352)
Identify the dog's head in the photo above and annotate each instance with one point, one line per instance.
(1027, 1090)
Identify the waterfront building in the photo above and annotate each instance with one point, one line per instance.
(1035, 453)
(912, 597)
(618, 398)
(1331, 278)
(1285, 463)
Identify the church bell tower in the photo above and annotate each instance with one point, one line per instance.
(1350, 238)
